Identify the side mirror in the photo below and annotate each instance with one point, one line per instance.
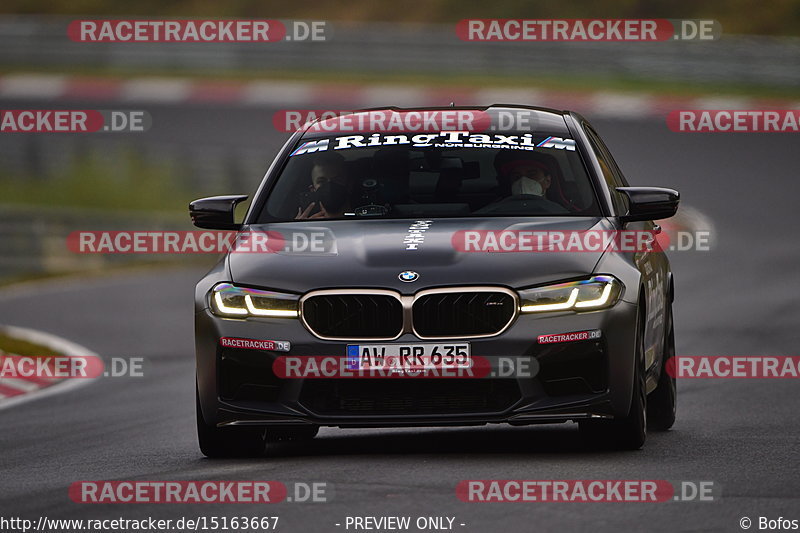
(216, 212)
(649, 203)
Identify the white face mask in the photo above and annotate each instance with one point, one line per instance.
(527, 186)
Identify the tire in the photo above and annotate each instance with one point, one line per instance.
(228, 441)
(662, 402)
(629, 432)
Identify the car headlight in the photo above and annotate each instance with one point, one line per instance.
(597, 292)
(239, 302)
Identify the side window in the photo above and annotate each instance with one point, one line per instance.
(611, 172)
(614, 167)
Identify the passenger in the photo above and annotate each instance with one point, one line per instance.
(523, 173)
(521, 176)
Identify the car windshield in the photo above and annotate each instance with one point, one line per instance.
(444, 174)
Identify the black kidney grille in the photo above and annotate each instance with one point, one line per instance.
(354, 315)
(456, 314)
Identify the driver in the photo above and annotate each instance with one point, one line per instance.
(327, 195)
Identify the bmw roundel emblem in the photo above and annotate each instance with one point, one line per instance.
(408, 276)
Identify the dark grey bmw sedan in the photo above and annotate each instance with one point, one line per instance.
(437, 267)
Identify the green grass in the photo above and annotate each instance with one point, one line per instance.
(140, 265)
(16, 346)
(130, 184)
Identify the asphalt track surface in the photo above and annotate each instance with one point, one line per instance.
(737, 299)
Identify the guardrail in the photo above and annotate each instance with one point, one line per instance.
(33, 240)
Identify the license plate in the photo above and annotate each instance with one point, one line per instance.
(408, 356)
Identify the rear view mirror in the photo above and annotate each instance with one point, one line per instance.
(434, 162)
(649, 203)
(216, 212)
(466, 169)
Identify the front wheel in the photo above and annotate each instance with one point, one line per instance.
(629, 432)
(227, 441)
(662, 402)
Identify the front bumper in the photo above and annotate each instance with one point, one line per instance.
(552, 383)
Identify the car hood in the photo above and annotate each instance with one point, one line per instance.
(373, 253)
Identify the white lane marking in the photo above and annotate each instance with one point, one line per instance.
(722, 102)
(607, 105)
(54, 343)
(392, 95)
(156, 90)
(20, 384)
(496, 95)
(277, 93)
(32, 86)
